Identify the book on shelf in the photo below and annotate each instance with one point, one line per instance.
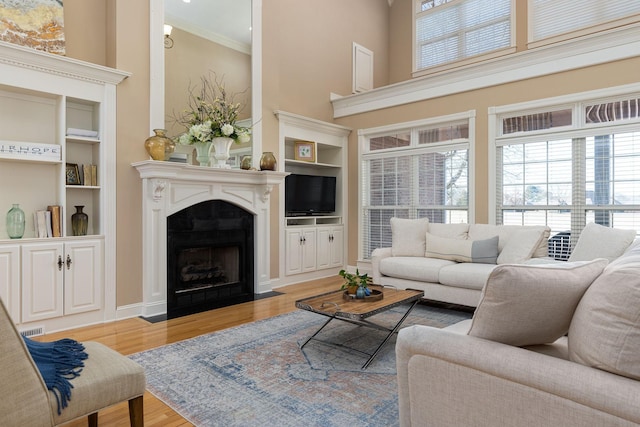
(40, 222)
(89, 175)
(56, 220)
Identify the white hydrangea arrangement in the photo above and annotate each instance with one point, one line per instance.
(212, 113)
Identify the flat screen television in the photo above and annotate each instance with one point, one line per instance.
(310, 195)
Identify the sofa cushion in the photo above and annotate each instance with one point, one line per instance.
(479, 251)
(532, 304)
(466, 275)
(413, 268)
(453, 231)
(506, 232)
(598, 241)
(522, 245)
(605, 330)
(407, 236)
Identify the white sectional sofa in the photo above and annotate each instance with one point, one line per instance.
(555, 344)
(451, 262)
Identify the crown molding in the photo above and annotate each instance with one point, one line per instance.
(29, 58)
(613, 45)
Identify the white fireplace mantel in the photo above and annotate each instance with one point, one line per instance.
(169, 187)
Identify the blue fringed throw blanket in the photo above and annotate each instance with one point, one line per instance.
(58, 362)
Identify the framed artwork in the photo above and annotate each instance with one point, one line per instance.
(305, 151)
(38, 24)
(72, 174)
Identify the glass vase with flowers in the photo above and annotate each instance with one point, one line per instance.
(211, 118)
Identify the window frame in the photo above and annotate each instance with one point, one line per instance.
(579, 129)
(414, 148)
(466, 60)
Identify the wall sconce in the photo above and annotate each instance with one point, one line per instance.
(168, 41)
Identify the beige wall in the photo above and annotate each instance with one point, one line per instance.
(119, 38)
(307, 50)
(602, 76)
(306, 55)
(185, 64)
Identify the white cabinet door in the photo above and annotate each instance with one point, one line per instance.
(323, 251)
(336, 238)
(330, 249)
(10, 280)
(42, 281)
(300, 250)
(293, 250)
(309, 250)
(82, 276)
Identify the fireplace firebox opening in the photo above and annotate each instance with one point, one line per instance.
(210, 257)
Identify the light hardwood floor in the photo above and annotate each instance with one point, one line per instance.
(135, 335)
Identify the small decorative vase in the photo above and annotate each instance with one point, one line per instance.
(156, 144)
(360, 293)
(246, 163)
(268, 161)
(15, 222)
(79, 222)
(221, 145)
(202, 150)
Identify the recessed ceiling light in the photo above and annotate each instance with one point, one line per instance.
(187, 1)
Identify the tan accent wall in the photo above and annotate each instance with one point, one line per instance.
(581, 80)
(307, 54)
(121, 42)
(192, 57)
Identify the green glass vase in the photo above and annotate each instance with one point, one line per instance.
(15, 222)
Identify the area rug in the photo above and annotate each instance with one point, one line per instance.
(256, 375)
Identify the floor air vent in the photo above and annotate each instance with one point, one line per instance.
(33, 332)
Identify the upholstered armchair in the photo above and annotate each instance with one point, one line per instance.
(107, 378)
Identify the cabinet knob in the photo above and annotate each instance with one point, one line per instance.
(60, 263)
(68, 262)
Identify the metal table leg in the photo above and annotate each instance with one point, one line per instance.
(392, 331)
(317, 332)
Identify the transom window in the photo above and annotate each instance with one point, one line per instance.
(416, 170)
(451, 30)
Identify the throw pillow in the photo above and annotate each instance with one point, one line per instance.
(480, 251)
(452, 231)
(521, 246)
(598, 241)
(407, 236)
(532, 304)
(605, 330)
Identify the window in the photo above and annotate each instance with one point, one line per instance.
(550, 18)
(415, 171)
(450, 30)
(585, 169)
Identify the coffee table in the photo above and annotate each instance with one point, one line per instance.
(334, 306)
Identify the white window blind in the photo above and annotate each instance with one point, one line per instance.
(414, 173)
(447, 31)
(570, 177)
(549, 18)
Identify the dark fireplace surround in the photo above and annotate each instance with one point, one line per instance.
(210, 257)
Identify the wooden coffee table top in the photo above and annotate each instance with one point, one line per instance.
(333, 304)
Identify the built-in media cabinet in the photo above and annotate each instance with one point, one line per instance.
(57, 151)
(314, 243)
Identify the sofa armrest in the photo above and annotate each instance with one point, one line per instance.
(446, 378)
(377, 255)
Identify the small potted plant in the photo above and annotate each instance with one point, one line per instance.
(356, 283)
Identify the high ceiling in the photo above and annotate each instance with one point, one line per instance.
(226, 22)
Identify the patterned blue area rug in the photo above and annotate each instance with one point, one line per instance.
(256, 375)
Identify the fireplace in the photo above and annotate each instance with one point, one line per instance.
(169, 189)
(209, 257)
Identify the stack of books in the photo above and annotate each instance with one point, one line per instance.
(48, 223)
